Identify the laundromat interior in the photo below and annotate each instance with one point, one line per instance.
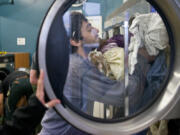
(90, 67)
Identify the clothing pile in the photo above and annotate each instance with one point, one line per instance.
(110, 61)
(148, 31)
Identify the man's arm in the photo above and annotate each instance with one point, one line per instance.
(1, 100)
(1, 104)
(100, 88)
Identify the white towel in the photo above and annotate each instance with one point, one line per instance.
(149, 31)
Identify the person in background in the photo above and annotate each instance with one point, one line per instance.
(15, 91)
(25, 119)
(33, 72)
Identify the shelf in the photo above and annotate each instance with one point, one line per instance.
(128, 9)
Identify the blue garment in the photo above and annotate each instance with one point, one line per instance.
(157, 73)
(85, 84)
(155, 77)
(53, 124)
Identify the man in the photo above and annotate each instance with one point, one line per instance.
(84, 76)
(16, 90)
(33, 71)
(25, 119)
(22, 119)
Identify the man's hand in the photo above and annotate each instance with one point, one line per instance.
(1, 104)
(40, 92)
(143, 52)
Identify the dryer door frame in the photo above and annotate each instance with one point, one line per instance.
(157, 111)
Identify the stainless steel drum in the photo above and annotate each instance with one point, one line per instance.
(53, 58)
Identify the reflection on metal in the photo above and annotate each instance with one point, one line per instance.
(175, 112)
(126, 45)
(178, 3)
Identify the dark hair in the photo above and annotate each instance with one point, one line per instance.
(76, 24)
(12, 77)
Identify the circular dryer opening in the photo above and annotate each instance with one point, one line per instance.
(107, 65)
(124, 63)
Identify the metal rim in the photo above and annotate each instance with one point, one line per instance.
(157, 111)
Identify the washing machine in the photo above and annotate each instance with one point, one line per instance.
(6, 65)
(53, 58)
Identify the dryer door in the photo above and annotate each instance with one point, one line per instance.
(130, 80)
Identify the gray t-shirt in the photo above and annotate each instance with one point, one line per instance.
(84, 78)
(34, 63)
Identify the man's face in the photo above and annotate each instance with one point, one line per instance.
(89, 33)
